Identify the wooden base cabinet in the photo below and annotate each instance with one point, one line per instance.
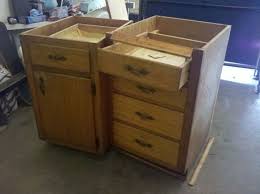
(148, 88)
(61, 69)
(164, 75)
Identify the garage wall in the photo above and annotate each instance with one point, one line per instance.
(5, 9)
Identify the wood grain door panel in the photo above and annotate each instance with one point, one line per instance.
(66, 109)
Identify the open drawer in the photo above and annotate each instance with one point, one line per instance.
(166, 71)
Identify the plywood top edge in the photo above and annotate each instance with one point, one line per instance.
(190, 20)
(76, 20)
(39, 39)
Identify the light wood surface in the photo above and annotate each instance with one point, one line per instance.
(191, 29)
(151, 117)
(135, 29)
(66, 109)
(166, 26)
(117, 9)
(172, 100)
(60, 57)
(146, 145)
(115, 60)
(201, 162)
(84, 32)
(176, 40)
(158, 45)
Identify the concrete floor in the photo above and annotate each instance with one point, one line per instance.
(30, 166)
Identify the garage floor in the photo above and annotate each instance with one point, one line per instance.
(30, 166)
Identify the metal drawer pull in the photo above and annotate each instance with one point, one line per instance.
(42, 86)
(143, 144)
(144, 116)
(57, 57)
(136, 71)
(146, 89)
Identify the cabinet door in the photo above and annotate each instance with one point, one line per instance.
(66, 110)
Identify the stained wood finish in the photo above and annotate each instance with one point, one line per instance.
(151, 117)
(207, 43)
(119, 62)
(66, 109)
(153, 95)
(207, 91)
(146, 145)
(60, 57)
(83, 124)
(172, 100)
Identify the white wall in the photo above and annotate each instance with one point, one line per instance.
(5, 9)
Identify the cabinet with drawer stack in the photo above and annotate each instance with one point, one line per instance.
(163, 77)
(61, 68)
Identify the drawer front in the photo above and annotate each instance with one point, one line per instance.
(146, 145)
(162, 97)
(144, 71)
(152, 117)
(60, 57)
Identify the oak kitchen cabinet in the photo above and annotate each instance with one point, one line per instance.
(61, 69)
(164, 76)
(148, 88)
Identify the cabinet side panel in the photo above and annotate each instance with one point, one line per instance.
(210, 72)
(25, 42)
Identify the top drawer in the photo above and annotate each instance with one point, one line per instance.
(60, 57)
(143, 65)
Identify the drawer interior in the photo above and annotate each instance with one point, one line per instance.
(148, 54)
(84, 32)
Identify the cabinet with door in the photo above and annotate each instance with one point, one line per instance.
(61, 69)
(65, 106)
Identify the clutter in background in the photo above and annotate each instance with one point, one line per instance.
(42, 10)
(8, 102)
(87, 6)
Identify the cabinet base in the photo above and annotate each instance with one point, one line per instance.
(168, 171)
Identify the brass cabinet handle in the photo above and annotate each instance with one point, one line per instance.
(145, 89)
(137, 71)
(42, 86)
(144, 116)
(143, 144)
(57, 57)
